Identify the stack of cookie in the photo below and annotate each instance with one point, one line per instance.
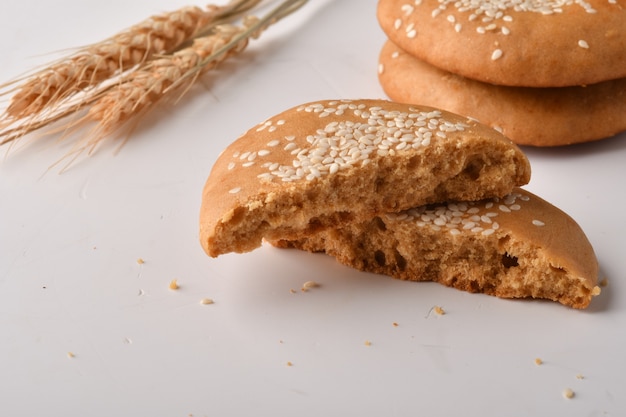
(545, 73)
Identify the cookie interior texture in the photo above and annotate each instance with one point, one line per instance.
(326, 164)
(532, 44)
(528, 116)
(518, 246)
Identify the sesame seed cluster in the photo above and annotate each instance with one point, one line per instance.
(475, 217)
(344, 143)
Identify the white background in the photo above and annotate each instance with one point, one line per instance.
(69, 280)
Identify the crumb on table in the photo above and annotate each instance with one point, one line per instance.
(174, 284)
(568, 393)
(439, 311)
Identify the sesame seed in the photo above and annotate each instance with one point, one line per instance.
(583, 44)
(538, 223)
(496, 54)
(234, 190)
(407, 9)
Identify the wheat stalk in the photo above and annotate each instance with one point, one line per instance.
(116, 101)
(95, 63)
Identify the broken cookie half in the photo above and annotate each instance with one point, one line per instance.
(518, 246)
(323, 165)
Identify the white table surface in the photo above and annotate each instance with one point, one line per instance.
(70, 281)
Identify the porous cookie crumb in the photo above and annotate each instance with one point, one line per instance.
(140, 261)
(70, 355)
(368, 343)
(580, 376)
(538, 361)
(439, 311)
(394, 324)
(174, 284)
(490, 246)
(289, 363)
(568, 393)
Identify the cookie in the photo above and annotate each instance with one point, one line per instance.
(519, 246)
(544, 43)
(528, 116)
(327, 163)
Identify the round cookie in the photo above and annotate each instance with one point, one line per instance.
(528, 116)
(519, 246)
(544, 43)
(324, 164)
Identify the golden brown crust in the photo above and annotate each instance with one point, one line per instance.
(528, 116)
(579, 43)
(305, 169)
(519, 246)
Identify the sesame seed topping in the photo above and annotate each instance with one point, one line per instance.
(583, 44)
(490, 12)
(235, 190)
(458, 218)
(496, 54)
(344, 143)
(538, 223)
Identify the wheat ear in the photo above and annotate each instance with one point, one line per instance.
(93, 64)
(144, 87)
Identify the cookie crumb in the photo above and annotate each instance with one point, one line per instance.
(70, 355)
(604, 282)
(368, 343)
(292, 291)
(394, 324)
(568, 393)
(538, 361)
(174, 284)
(140, 261)
(309, 284)
(439, 311)
(206, 301)
(289, 363)
(580, 376)
(596, 291)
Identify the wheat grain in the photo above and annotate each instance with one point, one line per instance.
(95, 63)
